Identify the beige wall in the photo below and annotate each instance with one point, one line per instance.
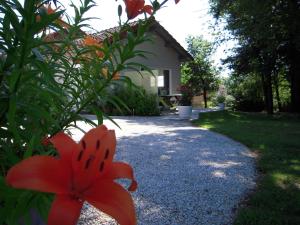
(144, 79)
(161, 58)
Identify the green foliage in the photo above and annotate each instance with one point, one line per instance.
(199, 74)
(186, 94)
(283, 90)
(229, 102)
(247, 92)
(268, 36)
(46, 83)
(221, 98)
(221, 94)
(276, 141)
(217, 99)
(135, 101)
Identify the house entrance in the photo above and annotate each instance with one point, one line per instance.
(163, 83)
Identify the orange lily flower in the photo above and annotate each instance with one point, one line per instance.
(136, 7)
(115, 76)
(83, 172)
(104, 72)
(90, 41)
(50, 11)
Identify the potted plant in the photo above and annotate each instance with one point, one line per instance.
(185, 102)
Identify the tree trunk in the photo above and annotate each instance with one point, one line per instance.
(268, 92)
(205, 97)
(294, 52)
(294, 75)
(277, 92)
(270, 106)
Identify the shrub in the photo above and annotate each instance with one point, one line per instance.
(135, 101)
(229, 102)
(221, 98)
(186, 94)
(247, 92)
(216, 99)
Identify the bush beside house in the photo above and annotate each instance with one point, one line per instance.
(137, 101)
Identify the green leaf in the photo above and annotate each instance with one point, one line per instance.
(98, 114)
(111, 119)
(45, 21)
(14, 79)
(34, 141)
(11, 118)
(13, 18)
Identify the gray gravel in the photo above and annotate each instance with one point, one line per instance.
(186, 175)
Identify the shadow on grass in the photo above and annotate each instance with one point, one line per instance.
(277, 139)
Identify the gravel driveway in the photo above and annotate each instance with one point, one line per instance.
(186, 175)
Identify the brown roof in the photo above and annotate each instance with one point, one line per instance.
(157, 29)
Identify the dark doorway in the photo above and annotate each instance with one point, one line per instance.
(164, 83)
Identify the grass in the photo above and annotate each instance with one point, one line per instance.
(276, 139)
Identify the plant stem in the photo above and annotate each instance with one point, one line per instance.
(87, 101)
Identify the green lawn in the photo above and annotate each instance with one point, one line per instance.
(277, 141)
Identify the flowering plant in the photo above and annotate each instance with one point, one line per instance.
(50, 71)
(186, 95)
(83, 172)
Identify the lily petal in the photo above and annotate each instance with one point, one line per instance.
(90, 41)
(40, 173)
(148, 9)
(121, 170)
(64, 211)
(112, 199)
(97, 149)
(65, 146)
(134, 7)
(90, 139)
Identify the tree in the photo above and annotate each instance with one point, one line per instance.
(246, 91)
(269, 33)
(200, 73)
